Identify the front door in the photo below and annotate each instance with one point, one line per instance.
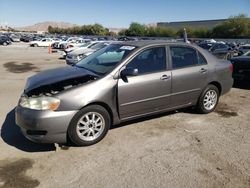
(150, 90)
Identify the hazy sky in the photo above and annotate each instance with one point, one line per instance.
(115, 13)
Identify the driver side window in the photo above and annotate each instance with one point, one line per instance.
(149, 61)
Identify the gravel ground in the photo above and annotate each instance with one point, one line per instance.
(175, 149)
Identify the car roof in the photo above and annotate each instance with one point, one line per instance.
(143, 43)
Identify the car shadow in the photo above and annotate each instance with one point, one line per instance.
(146, 118)
(11, 135)
(241, 84)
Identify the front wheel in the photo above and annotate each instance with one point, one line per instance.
(208, 99)
(89, 125)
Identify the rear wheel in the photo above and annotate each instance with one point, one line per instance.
(35, 45)
(89, 125)
(5, 43)
(208, 99)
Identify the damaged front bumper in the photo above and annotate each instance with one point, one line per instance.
(44, 126)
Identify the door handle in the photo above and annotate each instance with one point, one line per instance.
(165, 77)
(202, 70)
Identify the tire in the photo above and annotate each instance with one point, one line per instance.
(208, 100)
(35, 45)
(86, 129)
(5, 43)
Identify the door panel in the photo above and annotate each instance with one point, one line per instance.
(189, 74)
(144, 93)
(187, 84)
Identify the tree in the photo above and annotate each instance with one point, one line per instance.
(136, 29)
(122, 32)
(164, 32)
(50, 29)
(234, 27)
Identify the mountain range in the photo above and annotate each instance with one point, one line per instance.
(43, 26)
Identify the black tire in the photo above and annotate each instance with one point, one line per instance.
(35, 45)
(5, 43)
(77, 137)
(201, 108)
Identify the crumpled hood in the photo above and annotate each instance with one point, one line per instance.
(55, 75)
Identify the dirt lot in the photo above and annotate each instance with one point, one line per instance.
(176, 149)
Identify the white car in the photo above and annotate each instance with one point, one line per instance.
(77, 43)
(43, 42)
(71, 40)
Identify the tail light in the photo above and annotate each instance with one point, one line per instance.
(231, 67)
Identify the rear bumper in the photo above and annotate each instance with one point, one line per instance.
(226, 86)
(44, 126)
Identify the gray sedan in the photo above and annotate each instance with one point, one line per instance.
(120, 82)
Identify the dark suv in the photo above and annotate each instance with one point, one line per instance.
(4, 40)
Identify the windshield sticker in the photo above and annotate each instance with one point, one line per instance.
(127, 48)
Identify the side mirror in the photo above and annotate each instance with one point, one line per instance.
(129, 72)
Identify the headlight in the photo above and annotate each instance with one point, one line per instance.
(40, 103)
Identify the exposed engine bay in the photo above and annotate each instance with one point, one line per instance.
(54, 88)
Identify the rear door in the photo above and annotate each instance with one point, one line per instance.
(189, 74)
(150, 90)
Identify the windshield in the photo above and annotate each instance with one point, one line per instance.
(247, 53)
(105, 59)
(99, 45)
(85, 44)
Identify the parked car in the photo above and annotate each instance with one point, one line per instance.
(120, 82)
(4, 40)
(14, 38)
(244, 48)
(241, 66)
(42, 43)
(76, 55)
(55, 45)
(219, 49)
(25, 38)
(63, 44)
(82, 47)
(77, 43)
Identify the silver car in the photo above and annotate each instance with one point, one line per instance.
(120, 82)
(76, 55)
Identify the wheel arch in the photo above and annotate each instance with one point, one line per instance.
(216, 84)
(105, 106)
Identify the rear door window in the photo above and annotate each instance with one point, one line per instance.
(185, 57)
